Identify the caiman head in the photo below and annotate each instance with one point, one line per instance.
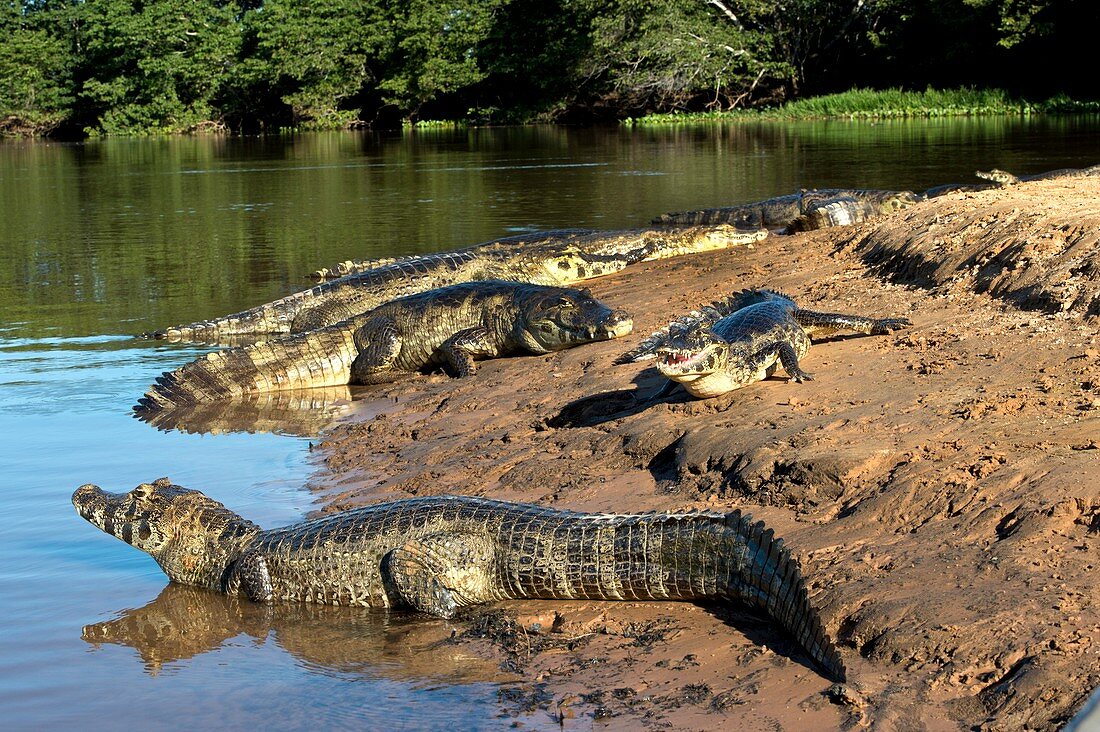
(193, 538)
(692, 353)
(558, 318)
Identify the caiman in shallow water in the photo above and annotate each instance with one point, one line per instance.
(449, 326)
(437, 554)
(734, 342)
(553, 261)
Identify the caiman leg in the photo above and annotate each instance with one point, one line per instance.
(827, 324)
(379, 346)
(440, 573)
(461, 348)
(788, 357)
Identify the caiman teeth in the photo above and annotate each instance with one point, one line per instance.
(675, 359)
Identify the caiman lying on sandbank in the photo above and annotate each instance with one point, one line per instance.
(530, 239)
(734, 342)
(802, 211)
(999, 178)
(449, 326)
(563, 260)
(1004, 178)
(437, 554)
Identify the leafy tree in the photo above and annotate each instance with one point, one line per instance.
(437, 49)
(155, 66)
(317, 57)
(667, 54)
(35, 73)
(125, 66)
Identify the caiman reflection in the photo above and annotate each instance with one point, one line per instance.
(298, 412)
(184, 622)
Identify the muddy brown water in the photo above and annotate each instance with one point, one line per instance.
(111, 238)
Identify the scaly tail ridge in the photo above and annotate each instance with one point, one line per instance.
(270, 318)
(776, 585)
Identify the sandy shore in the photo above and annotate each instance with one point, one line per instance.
(940, 486)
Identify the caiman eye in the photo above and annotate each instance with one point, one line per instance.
(565, 302)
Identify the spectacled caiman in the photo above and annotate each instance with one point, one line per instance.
(449, 326)
(437, 554)
(802, 211)
(533, 238)
(742, 339)
(553, 261)
(1000, 178)
(1004, 178)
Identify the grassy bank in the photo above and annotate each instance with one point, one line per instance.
(884, 104)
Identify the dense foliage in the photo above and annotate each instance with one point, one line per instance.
(125, 66)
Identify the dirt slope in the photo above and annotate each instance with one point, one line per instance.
(941, 486)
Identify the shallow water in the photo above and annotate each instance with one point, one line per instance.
(111, 238)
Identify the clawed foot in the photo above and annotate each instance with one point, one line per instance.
(889, 325)
(799, 376)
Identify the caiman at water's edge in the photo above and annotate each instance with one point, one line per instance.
(802, 211)
(551, 260)
(734, 342)
(437, 554)
(449, 326)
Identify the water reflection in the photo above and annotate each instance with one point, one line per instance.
(184, 622)
(298, 412)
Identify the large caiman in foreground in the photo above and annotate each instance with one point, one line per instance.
(437, 554)
(547, 260)
(449, 326)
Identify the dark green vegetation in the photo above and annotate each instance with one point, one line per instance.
(121, 66)
(879, 104)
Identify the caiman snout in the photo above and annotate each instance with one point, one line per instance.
(87, 497)
(618, 324)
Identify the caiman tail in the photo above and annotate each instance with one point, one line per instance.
(696, 556)
(333, 301)
(301, 361)
(272, 317)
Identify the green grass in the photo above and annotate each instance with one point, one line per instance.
(434, 124)
(884, 104)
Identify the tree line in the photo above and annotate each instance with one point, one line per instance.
(87, 67)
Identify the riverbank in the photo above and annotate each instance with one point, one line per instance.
(879, 104)
(938, 485)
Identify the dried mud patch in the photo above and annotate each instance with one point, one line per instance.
(940, 486)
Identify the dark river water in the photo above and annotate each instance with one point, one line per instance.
(108, 239)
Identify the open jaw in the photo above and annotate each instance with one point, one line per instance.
(683, 363)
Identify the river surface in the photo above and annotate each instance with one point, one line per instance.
(104, 240)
